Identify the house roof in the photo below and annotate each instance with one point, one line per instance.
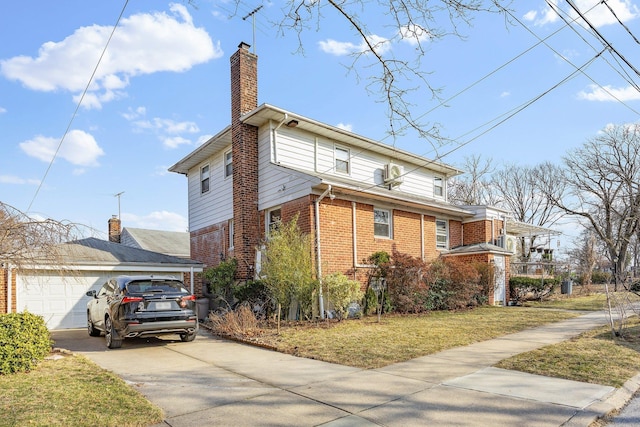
(266, 113)
(93, 253)
(522, 229)
(174, 243)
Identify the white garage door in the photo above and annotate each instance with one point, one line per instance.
(61, 300)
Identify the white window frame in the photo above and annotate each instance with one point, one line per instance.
(439, 233)
(346, 162)
(389, 223)
(205, 177)
(437, 187)
(231, 233)
(227, 159)
(269, 222)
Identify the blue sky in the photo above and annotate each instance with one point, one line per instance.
(162, 89)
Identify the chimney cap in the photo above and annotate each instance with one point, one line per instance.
(244, 46)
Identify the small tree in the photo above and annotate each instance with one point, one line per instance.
(287, 267)
(220, 280)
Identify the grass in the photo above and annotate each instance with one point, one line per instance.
(593, 357)
(365, 343)
(72, 391)
(590, 302)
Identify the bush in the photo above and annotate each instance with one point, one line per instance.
(256, 295)
(220, 280)
(525, 288)
(406, 284)
(339, 292)
(600, 277)
(454, 285)
(24, 341)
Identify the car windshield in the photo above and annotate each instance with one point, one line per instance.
(156, 286)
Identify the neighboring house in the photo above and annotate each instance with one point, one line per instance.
(174, 243)
(56, 289)
(356, 196)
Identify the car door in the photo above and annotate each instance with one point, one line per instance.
(100, 304)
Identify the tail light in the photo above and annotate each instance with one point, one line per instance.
(126, 300)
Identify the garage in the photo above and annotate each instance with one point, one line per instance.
(59, 294)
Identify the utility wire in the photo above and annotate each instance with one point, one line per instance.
(86, 89)
(619, 21)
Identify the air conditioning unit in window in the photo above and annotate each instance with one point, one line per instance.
(393, 174)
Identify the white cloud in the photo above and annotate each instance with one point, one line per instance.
(413, 34)
(597, 13)
(144, 43)
(157, 220)
(132, 114)
(12, 179)
(505, 94)
(3, 110)
(175, 142)
(609, 93)
(334, 47)
(169, 131)
(343, 126)
(79, 148)
(202, 139)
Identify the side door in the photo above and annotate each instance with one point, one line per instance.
(499, 286)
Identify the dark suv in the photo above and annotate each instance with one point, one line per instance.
(132, 306)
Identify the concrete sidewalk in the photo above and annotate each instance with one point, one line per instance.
(217, 382)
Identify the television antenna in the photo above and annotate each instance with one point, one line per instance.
(252, 14)
(118, 196)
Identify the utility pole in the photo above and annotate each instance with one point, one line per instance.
(118, 196)
(253, 15)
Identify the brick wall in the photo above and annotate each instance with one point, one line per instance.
(4, 291)
(244, 98)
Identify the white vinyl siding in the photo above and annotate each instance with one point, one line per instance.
(217, 204)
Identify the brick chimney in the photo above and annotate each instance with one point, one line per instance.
(114, 229)
(244, 137)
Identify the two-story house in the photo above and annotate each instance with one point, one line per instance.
(356, 196)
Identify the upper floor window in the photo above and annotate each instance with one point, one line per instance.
(228, 164)
(204, 179)
(442, 234)
(274, 217)
(342, 160)
(381, 223)
(438, 187)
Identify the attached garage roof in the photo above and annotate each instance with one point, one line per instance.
(95, 253)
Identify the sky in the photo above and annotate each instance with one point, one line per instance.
(518, 89)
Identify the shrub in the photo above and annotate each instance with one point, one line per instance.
(220, 280)
(406, 284)
(254, 294)
(24, 341)
(600, 277)
(525, 288)
(237, 323)
(339, 292)
(453, 285)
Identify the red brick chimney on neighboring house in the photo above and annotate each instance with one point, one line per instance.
(244, 137)
(114, 229)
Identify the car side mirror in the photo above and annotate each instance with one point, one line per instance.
(91, 293)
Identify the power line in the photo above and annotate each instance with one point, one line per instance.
(75, 112)
(619, 21)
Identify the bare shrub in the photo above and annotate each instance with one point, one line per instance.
(238, 323)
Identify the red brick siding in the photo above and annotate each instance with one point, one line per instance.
(336, 236)
(4, 290)
(244, 98)
(455, 234)
(406, 233)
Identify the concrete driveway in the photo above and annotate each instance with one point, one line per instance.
(216, 382)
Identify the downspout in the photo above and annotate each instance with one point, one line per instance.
(274, 134)
(191, 279)
(422, 236)
(318, 251)
(9, 290)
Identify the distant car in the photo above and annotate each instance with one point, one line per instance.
(132, 306)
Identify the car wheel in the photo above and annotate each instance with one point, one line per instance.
(111, 336)
(93, 332)
(188, 337)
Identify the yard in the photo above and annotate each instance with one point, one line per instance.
(72, 391)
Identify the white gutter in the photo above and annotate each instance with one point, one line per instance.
(318, 251)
